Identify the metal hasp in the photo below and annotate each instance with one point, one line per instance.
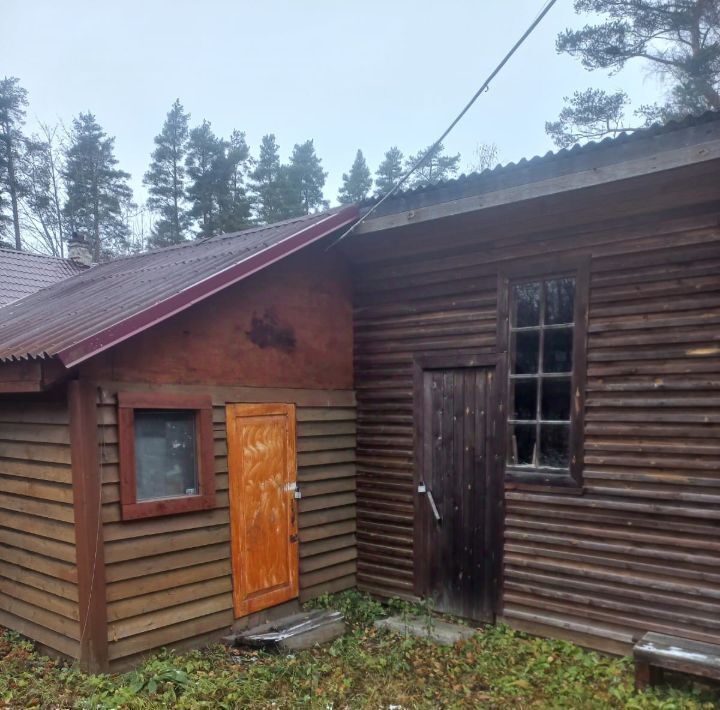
(422, 488)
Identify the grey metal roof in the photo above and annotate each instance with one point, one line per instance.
(646, 141)
(23, 273)
(83, 315)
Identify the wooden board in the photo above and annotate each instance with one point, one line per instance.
(38, 571)
(262, 468)
(655, 652)
(453, 560)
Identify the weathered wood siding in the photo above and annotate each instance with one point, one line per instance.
(169, 579)
(639, 549)
(287, 326)
(38, 574)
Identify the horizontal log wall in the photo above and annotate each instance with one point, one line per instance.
(169, 578)
(38, 573)
(639, 549)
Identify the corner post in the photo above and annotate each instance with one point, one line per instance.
(87, 504)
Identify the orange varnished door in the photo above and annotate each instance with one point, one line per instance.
(263, 518)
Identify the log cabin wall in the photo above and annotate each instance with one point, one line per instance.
(38, 572)
(289, 325)
(283, 335)
(639, 548)
(169, 578)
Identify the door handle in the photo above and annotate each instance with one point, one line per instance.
(422, 488)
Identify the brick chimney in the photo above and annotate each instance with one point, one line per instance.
(78, 250)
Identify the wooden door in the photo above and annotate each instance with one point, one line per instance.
(453, 553)
(262, 467)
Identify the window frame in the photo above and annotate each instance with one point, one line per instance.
(128, 402)
(543, 270)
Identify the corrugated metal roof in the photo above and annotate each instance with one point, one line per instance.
(22, 273)
(79, 317)
(552, 163)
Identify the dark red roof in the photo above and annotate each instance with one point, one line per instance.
(90, 312)
(22, 273)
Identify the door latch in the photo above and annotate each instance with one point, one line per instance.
(422, 488)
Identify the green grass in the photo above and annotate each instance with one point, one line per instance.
(497, 668)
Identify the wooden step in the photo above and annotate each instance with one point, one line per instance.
(655, 652)
(293, 633)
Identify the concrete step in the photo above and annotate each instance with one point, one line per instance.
(292, 633)
(427, 627)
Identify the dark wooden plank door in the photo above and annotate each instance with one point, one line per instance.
(453, 561)
(263, 521)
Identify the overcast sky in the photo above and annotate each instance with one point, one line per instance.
(350, 74)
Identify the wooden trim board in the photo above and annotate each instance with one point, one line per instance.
(85, 457)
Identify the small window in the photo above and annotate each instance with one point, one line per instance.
(166, 454)
(545, 326)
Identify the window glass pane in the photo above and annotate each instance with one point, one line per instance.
(527, 305)
(165, 455)
(526, 347)
(559, 301)
(555, 445)
(555, 403)
(557, 349)
(522, 444)
(524, 399)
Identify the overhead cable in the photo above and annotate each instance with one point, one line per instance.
(431, 150)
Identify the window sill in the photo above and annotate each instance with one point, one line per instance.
(167, 506)
(520, 477)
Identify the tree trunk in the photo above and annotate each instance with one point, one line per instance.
(12, 185)
(56, 204)
(96, 226)
(176, 216)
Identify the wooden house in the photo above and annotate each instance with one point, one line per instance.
(501, 393)
(141, 398)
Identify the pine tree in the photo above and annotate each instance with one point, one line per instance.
(389, 171)
(436, 167)
(306, 180)
(13, 101)
(266, 182)
(165, 179)
(97, 192)
(233, 202)
(356, 184)
(205, 162)
(678, 39)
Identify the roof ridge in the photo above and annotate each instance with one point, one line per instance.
(53, 257)
(226, 235)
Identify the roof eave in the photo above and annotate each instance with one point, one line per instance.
(647, 165)
(148, 317)
(37, 374)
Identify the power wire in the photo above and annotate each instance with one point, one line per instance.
(431, 150)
